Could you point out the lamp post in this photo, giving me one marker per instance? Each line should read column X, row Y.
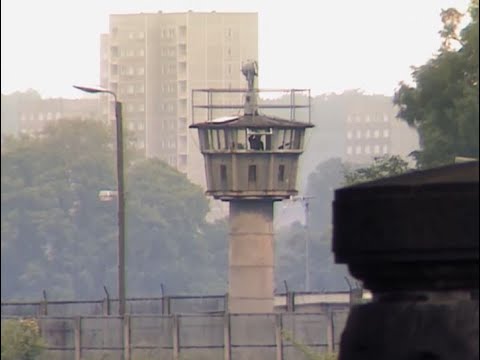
column 121, row 193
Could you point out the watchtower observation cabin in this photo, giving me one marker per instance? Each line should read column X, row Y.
column 251, row 161
column 251, row 156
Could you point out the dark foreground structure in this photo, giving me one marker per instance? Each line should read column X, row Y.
column 413, row 241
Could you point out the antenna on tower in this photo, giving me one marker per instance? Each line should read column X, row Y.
column 250, row 70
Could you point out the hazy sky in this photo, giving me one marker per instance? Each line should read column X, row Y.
column 327, row 46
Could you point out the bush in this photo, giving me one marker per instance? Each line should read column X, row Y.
column 21, row 340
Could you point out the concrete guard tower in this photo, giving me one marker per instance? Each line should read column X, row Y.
column 251, row 161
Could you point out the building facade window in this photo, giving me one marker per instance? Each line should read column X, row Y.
column 386, row 133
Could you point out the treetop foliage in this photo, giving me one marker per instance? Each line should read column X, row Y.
column 444, row 103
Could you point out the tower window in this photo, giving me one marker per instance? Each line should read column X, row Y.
column 281, row 173
column 252, row 173
column 223, row 173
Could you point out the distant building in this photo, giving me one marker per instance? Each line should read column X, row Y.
column 34, row 115
column 27, row 112
column 373, row 130
column 152, row 61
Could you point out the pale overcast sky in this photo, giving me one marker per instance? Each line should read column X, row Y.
column 327, row 46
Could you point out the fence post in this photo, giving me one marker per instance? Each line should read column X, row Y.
column 106, row 302
column 126, row 337
column 330, row 332
column 279, row 336
column 227, row 340
column 77, row 331
column 290, row 301
column 106, row 306
column 176, row 337
column 225, row 303
column 166, row 305
column 44, row 305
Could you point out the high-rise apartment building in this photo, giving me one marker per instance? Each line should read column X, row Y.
column 373, row 130
column 153, row 61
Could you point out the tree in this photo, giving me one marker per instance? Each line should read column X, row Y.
column 57, row 235
column 444, row 104
column 324, row 273
column 169, row 241
column 21, row 340
column 382, row 167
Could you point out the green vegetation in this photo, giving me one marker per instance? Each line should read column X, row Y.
column 57, row 234
column 21, row 340
column 382, row 167
column 444, row 103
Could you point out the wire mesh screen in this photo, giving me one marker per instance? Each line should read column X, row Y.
column 253, row 336
column 190, row 305
column 253, row 353
column 58, row 332
column 145, row 306
column 58, row 354
column 303, row 331
column 153, row 354
column 195, row 336
column 100, row 333
column 109, row 354
column 153, row 333
column 74, row 308
column 18, row 309
column 201, row 331
column 202, row 354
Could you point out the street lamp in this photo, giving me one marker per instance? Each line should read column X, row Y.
column 121, row 193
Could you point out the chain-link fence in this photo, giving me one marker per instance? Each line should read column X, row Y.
column 196, row 336
column 166, row 305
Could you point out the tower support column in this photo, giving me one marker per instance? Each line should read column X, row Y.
column 251, row 257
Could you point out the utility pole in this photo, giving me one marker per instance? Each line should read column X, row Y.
column 306, row 203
